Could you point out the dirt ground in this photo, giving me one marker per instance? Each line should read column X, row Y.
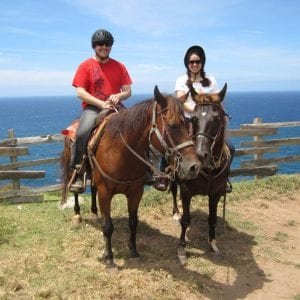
column 262, row 265
column 259, row 242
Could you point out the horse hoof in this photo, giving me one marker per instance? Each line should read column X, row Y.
column 94, row 219
column 214, row 248
column 182, row 256
column 177, row 217
column 76, row 220
column 111, row 267
column 134, row 255
column 135, row 259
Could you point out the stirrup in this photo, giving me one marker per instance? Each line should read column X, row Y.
column 79, row 184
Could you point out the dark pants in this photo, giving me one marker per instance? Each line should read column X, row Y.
column 87, row 123
column 231, row 149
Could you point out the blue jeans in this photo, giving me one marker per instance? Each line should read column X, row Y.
column 87, row 123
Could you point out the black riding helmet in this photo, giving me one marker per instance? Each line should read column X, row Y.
column 102, row 36
column 196, row 50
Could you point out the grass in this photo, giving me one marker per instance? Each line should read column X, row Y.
column 43, row 257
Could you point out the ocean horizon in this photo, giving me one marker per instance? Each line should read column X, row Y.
column 37, row 116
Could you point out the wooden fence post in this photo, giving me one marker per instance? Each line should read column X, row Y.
column 14, row 159
column 257, row 138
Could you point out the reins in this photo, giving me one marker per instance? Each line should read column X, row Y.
column 169, row 151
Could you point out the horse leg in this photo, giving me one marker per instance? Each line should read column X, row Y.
column 184, row 222
column 173, row 189
column 107, row 226
column 133, row 202
column 94, row 214
column 77, row 219
column 212, row 222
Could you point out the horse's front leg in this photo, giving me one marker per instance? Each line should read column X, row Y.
column 107, row 227
column 184, row 222
column 133, row 202
column 212, row 222
column 173, row 189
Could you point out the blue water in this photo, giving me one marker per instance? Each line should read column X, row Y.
column 37, row 116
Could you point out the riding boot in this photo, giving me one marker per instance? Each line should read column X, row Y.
column 228, row 186
column 78, row 185
column 161, row 184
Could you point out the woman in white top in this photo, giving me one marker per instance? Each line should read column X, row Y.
column 194, row 61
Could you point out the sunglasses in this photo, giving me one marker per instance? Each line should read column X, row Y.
column 106, row 44
column 197, row 62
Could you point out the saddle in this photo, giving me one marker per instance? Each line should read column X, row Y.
column 96, row 133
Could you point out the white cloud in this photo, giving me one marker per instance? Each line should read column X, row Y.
column 154, row 17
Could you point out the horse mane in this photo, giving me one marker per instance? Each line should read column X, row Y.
column 138, row 116
column 130, row 120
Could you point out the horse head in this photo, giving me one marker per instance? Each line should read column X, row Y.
column 171, row 136
column 209, row 122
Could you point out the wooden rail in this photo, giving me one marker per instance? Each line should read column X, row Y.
column 258, row 165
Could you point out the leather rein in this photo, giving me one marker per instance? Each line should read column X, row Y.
column 169, row 151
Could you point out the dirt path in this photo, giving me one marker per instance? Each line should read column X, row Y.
column 261, row 259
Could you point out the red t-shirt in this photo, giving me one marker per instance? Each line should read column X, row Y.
column 101, row 79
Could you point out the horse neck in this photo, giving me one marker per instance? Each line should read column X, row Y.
column 139, row 125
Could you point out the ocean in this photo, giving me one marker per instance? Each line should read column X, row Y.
column 35, row 116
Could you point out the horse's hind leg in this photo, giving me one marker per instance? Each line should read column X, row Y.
column 94, row 214
column 212, row 222
column 77, row 219
column 184, row 222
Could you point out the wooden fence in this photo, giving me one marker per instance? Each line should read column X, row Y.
column 254, row 150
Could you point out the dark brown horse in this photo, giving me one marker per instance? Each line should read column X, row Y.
column 209, row 123
column 118, row 163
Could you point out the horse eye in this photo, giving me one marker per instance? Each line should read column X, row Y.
column 173, row 126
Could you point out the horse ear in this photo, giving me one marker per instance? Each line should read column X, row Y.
column 223, row 92
column 159, row 97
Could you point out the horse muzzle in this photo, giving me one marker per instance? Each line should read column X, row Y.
column 188, row 168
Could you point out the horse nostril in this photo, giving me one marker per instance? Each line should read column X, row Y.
column 195, row 168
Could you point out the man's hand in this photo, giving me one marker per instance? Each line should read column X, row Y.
column 108, row 105
column 115, row 99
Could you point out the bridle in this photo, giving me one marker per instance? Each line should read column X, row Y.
column 224, row 154
column 174, row 150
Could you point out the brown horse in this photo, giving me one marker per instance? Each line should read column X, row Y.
column 119, row 161
column 209, row 123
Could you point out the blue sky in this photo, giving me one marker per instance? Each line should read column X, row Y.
column 252, row 45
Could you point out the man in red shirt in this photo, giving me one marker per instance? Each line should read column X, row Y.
column 101, row 83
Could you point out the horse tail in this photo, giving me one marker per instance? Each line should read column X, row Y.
column 64, row 164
